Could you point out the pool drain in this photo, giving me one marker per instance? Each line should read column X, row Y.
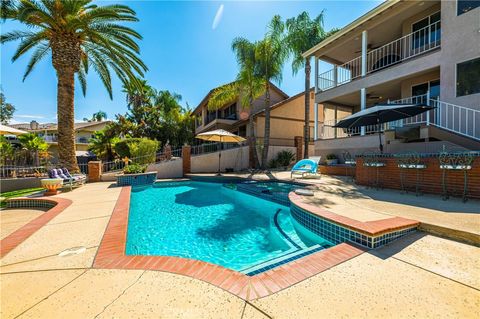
column 73, row 251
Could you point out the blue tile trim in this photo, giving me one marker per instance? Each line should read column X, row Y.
column 338, row 234
column 134, row 179
column 285, row 261
column 275, row 220
column 22, row 203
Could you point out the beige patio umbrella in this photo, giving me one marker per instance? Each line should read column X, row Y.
column 221, row 136
column 7, row 130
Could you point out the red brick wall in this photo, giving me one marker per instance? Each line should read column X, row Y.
column 430, row 178
column 339, row 170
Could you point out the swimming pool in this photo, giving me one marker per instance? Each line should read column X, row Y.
column 216, row 224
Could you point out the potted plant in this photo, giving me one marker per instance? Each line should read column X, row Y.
column 332, row 159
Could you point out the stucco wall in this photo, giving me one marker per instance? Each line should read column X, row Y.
column 13, row 184
column 287, row 120
column 167, row 169
column 460, row 42
column 236, row 158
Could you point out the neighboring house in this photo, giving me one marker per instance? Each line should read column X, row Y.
column 48, row 131
column 403, row 51
column 287, row 117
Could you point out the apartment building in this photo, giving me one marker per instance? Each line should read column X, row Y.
column 287, row 117
column 401, row 52
column 48, row 131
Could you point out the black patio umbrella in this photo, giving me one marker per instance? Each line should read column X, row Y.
column 382, row 113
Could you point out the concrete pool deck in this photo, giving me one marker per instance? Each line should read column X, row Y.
column 419, row 275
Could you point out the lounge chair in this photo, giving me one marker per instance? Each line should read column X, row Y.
column 305, row 167
column 74, row 180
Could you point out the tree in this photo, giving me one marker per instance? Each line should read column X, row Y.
column 32, row 142
column 304, row 33
column 79, row 35
column 270, row 55
column 247, row 87
column 96, row 117
column 102, row 144
column 6, row 109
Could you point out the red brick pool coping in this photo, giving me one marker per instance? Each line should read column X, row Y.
column 17, row 237
column 370, row 228
column 111, row 255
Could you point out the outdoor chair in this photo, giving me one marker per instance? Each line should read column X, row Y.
column 373, row 164
column 408, row 162
column 458, row 161
column 72, row 181
column 305, row 167
column 350, row 164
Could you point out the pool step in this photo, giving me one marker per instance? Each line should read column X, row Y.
column 288, row 257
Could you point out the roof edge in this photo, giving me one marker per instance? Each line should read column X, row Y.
column 352, row 25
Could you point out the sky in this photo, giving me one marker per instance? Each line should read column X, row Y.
column 186, row 46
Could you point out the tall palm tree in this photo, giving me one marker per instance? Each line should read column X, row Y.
column 270, row 55
column 79, row 35
column 247, row 87
column 304, row 33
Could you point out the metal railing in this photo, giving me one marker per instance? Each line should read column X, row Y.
column 213, row 147
column 455, row 118
column 396, row 51
column 119, row 164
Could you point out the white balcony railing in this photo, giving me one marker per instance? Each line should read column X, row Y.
column 454, row 118
column 404, row 48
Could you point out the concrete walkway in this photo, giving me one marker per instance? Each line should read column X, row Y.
column 421, row 275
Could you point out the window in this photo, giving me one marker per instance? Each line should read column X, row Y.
column 422, row 89
column 468, row 77
column 230, row 112
column 426, row 31
column 466, row 5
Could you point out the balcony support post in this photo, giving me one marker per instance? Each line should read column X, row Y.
column 315, row 106
column 363, row 105
column 335, row 75
column 364, row 52
column 428, row 103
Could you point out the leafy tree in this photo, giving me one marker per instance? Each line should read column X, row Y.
column 32, row 142
column 247, row 87
column 6, row 109
column 154, row 114
column 6, row 149
column 270, row 55
column 103, row 145
column 79, row 35
column 96, row 117
column 304, row 33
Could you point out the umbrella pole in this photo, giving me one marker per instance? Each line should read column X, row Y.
column 219, row 157
column 380, row 139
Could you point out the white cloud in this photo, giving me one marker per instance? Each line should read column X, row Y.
column 218, row 17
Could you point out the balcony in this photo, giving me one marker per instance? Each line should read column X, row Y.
column 392, row 53
column 54, row 139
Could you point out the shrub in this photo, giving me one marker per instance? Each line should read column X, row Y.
column 285, row 157
column 273, row 163
column 134, row 169
column 144, row 152
column 122, row 147
column 331, row 157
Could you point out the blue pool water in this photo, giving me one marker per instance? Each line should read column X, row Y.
column 213, row 223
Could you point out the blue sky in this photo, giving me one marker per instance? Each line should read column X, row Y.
column 186, row 52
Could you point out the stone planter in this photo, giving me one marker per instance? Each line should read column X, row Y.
column 136, row 179
column 332, row 162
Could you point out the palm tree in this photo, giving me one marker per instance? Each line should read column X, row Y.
column 304, row 33
column 247, row 87
column 79, row 35
column 270, row 55
column 102, row 145
column 99, row 116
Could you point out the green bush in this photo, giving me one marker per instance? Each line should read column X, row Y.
column 134, row 169
column 122, row 148
column 144, row 152
column 331, row 157
column 285, row 157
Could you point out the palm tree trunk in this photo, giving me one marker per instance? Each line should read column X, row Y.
column 65, row 111
column 266, row 137
column 306, row 135
column 251, row 139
